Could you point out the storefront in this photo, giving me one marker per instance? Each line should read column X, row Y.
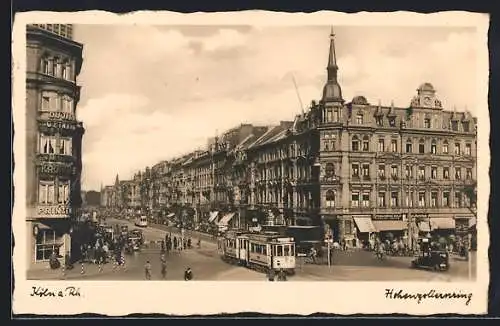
column 391, row 229
column 365, row 230
column 47, row 237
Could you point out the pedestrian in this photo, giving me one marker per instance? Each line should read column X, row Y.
column 282, row 275
column 162, row 246
column 271, row 275
column 163, row 267
column 147, row 270
column 175, row 243
column 188, row 274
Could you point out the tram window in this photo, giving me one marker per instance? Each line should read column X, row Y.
column 279, row 250
column 292, row 253
column 286, row 250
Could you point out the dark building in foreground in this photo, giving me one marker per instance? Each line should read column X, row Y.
column 53, row 140
column 357, row 169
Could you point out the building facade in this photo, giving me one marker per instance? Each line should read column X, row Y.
column 401, row 171
column 53, row 140
column 357, row 169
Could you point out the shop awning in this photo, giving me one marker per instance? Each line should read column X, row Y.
column 213, row 216
column 365, row 224
column 390, row 225
column 424, row 226
column 225, row 220
column 171, row 215
column 443, row 223
column 472, row 222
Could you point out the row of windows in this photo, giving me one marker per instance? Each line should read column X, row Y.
column 65, row 30
column 55, row 145
column 427, row 123
column 52, row 101
column 292, row 151
column 424, row 199
column 56, row 67
column 51, row 193
column 358, row 170
column 364, row 145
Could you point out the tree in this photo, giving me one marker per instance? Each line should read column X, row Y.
column 93, row 198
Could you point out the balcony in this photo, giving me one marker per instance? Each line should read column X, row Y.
column 56, row 168
column 43, row 157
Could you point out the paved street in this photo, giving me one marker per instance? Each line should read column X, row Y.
column 207, row 265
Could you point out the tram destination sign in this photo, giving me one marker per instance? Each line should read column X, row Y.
column 61, row 211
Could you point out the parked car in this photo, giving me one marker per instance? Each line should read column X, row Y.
column 431, row 258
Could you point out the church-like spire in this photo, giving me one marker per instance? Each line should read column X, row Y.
column 332, row 67
column 332, row 90
column 117, row 180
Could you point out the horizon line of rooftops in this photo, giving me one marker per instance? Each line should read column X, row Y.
column 284, row 124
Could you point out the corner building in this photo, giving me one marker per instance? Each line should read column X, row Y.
column 393, row 170
column 53, row 140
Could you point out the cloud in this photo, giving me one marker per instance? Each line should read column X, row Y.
column 150, row 93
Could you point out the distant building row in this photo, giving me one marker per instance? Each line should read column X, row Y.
column 354, row 168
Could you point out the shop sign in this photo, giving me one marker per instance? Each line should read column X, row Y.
column 54, row 211
column 61, row 116
column 58, row 125
column 422, row 216
column 387, row 216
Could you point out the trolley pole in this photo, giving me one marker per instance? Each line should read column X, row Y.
column 329, row 259
column 469, row 258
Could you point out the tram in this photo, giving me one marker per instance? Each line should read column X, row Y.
column 261, row 252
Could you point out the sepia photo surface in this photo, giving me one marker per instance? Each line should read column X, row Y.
column 166, row 162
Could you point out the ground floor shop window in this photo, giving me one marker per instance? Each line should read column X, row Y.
column 47, row 241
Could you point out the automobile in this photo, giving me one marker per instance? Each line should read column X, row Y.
column 124, row 230
column 136, row 234
column 431, row 258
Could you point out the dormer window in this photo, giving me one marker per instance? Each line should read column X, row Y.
column 359, row 119
column 454, row 125
column 466, row 126
column 379, row 121
column 392, row 121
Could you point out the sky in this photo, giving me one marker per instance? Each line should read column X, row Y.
column 152, row 93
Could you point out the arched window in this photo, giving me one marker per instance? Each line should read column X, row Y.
column 434, row 146
column 366, row 143
column 326, row 143
column 421, row 146
column 355, row 143
column 330, row 198
column 409, row 146
column 329, row 170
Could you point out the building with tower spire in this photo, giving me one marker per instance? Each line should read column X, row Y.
column 358, row 170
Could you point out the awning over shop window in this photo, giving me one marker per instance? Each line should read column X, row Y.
column 170, row 215
column 213, row 216
column 443, row 223
column 390, row 225
column 424, row 226
column 365, row 224
column 225, row 220
column 472, row 222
